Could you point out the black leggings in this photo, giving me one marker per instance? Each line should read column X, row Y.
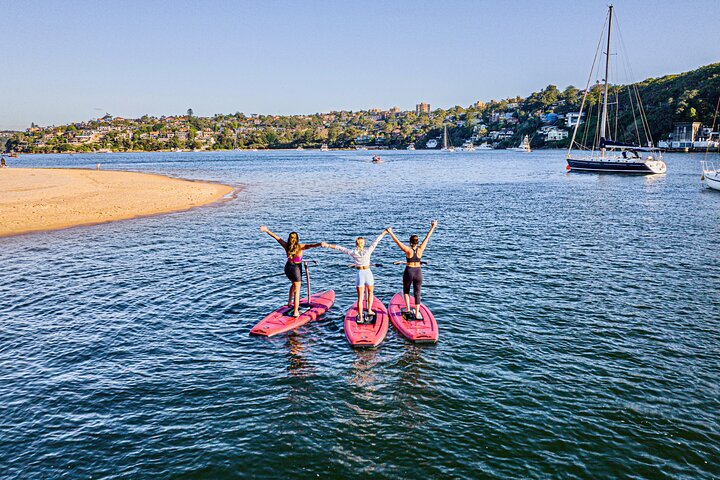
column 293, row 271
column 412, row 275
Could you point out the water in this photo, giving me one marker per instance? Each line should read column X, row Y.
column 578, row 326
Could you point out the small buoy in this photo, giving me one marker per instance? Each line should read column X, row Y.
column 567, row 167
column 702, row 177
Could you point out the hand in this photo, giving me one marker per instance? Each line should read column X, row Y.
column 264, row 229
column 324, row 245
column 434, row 223
column 389, row 230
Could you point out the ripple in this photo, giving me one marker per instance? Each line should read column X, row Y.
column 578, row 327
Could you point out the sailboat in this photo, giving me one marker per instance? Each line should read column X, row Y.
column 606, row 154
column 711, row 171
column 447, row 146
column 523, row 147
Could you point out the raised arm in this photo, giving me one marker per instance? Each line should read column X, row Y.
column 397, row 241
column 277, row 238
column 375, row 242
column 424, row 243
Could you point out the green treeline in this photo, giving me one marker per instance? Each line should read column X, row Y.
column 685, row 97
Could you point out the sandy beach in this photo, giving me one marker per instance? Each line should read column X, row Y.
column 35, row 199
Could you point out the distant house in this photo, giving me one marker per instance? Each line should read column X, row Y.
column 552, row 133
column 574, row 118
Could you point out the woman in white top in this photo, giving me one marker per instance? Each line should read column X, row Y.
column 364, row 280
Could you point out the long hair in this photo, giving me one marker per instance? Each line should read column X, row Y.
column 293, row 244
column 414, row 240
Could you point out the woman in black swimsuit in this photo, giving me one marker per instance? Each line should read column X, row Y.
column 293, row 267
column 413, row 272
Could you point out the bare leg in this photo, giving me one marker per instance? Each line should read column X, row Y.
column 291, row 295
column 361, row 295
column 407, row 301
column 296, row 286
column 370, row 289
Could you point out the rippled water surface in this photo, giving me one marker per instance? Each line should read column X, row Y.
column 578, row 322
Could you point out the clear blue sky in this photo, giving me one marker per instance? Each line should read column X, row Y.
column 63, row 61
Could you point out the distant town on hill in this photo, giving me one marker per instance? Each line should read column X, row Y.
column 679, row 109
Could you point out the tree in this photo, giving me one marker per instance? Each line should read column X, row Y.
column 190, row 112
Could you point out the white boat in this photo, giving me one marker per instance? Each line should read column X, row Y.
column 523, row 147
column 710, row 175
column 360, row 148
column 484, row 146
column 411, row 147
column 607, row 154
column 324, row 148
column 432, row 143
column 468, row 146
column 300, row 148
column 447, row 145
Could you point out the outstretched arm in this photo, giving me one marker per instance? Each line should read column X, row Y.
column 336, row 247
column 424, row 243
column 306, row 246
column 277, row 238
column 397, row 241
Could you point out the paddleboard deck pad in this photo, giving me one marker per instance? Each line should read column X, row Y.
column 281, row 320
column 372, row 331
column 418, row 330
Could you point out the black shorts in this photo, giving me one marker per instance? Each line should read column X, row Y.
column 293, row 271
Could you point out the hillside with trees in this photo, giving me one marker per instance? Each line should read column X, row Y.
column 686, row 97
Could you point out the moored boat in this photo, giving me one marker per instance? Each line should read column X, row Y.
column 523, row 147
column 447, row 145
column 614, row 155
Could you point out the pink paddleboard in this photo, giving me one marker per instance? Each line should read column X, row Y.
column 279, row 321
column 367, row 335
column 418, row 331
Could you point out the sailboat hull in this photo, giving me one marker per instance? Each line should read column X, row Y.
column 640, row 167
column 712, row 180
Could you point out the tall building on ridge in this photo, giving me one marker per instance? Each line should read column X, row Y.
column 422, row 108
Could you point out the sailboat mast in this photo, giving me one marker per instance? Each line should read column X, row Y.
column 607, row 72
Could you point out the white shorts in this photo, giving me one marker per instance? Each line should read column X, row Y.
column 364, row 278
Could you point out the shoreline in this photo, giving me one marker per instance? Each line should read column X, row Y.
column 47, row 199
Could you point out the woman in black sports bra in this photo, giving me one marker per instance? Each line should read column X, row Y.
column 413, row 272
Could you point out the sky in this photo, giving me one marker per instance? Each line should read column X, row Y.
column 65, row 61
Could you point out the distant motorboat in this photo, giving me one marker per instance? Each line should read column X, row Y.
column 484, row 146
column 432, row 143
column 411, row 147
column 324, row 148
column 376, row 159
column 447, row 145
column 468, row 146
column 300, row 148
column 523, row 147
column 360, row 148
